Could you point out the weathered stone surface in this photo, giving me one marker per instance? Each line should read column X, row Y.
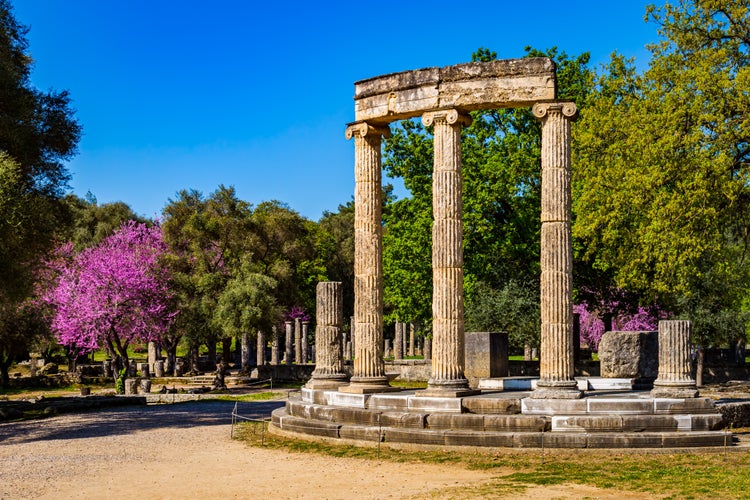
column 492, row 406
column 629, row 355
column 329, row 369
column 486, row 356
column 447, row 253
column 675, row 368
column 468, row 87
column 556, row 368
column 464, row 421
column 368, row 256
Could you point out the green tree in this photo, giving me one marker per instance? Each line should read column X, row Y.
column 661, row 191
column 207, row 239
column 283, row 246
column 91, row 222
column 247, row 303
column 335, row 244
column 38, row 132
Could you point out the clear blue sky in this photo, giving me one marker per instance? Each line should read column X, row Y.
column 193, row 94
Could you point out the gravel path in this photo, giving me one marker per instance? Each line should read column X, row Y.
column 185, row 451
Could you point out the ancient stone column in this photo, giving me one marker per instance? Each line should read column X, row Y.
column 305, row 341
column 329, row 309
column 387, row 349
column 447, row 256
column 274, row 345
column 411, row 339
column 557, row 371
column 298, row 340
column 153, row 355
column 260, row 348
column 398, row 342
column 245, row 351
column 369, row 370
column 675, row 379
column 427, row 349
column 289, row 343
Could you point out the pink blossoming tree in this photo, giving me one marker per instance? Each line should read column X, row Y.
column 113, row 293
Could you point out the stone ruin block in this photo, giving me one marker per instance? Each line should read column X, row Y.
column 486, row 356
column 629, row 355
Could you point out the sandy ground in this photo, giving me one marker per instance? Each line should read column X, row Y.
column 185, row 451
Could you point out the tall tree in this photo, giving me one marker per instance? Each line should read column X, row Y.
column 661, row 191
column 207, row 238
column 38, row 132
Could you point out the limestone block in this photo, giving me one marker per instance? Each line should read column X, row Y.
column 629, row 355
column 486, row 356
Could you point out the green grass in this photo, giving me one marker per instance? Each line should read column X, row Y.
column 258, row 396
column 409, row 384
column 667, row 475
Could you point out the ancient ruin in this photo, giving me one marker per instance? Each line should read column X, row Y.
column 552, row 411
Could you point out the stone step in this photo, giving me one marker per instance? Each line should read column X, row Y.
column 506, row 423
column 509, row 439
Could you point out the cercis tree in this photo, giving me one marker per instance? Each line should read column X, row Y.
column 113, row 293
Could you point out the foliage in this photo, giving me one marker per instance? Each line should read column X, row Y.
column 592, row 321
column 113, row 293
column 37, row 133
column 661, row 191
column 90, row 222
column 206, row 239
column 247, row 303
column 335, row 246
column 513, row 309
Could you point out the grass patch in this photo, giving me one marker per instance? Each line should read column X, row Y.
column 258, row 396
column 409, row 384
column 668, row 475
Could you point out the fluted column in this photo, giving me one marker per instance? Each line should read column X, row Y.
column 398, row 342
column 557, row 370
column 298, row 341
column 447, row 255
column 289, row 344
column 675, row 379
column 274, row 345
column 369, row 369
column 329, row 309
column 260, row 354
column 305, row 341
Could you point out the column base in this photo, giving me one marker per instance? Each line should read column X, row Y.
column 368, row 385
column 327, row 383
column 567, row 389
column 678, row 390
column 447, row 389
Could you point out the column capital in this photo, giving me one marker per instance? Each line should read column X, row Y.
column 363, row 129
column 451, row 117
column 567, row 108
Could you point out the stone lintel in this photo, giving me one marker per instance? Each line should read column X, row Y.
column 466, row 87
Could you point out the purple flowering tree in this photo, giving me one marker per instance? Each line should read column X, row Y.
column 592, row 322
column 112, row 294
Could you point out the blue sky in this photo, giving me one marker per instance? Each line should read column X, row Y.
column 192, row 94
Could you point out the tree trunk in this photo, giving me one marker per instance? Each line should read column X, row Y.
column 194, row 359
column 211, row 344
column 226, row 350
column 4, row 367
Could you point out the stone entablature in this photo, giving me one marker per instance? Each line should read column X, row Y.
column 466, row 87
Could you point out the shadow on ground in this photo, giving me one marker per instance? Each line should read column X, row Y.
column 126, row 420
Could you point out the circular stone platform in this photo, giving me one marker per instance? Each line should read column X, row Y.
column 611, row 419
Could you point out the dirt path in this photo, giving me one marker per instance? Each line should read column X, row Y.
column 185, row 451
